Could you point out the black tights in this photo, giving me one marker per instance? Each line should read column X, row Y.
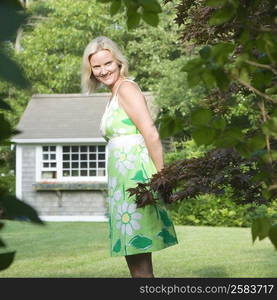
column 140, row 265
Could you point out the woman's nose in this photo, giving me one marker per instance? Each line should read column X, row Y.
column 103, row 70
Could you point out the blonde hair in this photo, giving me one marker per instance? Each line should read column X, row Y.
column 88, row 82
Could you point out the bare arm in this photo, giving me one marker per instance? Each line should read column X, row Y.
column 134, row 104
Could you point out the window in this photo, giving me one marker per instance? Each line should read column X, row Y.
column 83, row 161
column 63, row 162
column 49, row 162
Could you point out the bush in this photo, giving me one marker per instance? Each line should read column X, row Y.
column 211, row 210
column 185, row 149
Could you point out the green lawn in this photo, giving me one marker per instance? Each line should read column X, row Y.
column 80, row 249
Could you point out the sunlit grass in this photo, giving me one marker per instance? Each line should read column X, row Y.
column 80, row 249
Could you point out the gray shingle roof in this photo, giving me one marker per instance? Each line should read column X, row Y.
column 64, row 116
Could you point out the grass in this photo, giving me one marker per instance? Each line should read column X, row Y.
column 80, row 249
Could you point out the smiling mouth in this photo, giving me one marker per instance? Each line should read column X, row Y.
column 106, row 76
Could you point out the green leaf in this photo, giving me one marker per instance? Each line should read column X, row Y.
column 221, row 52
column 141, row 242
column 10, row 71
column 256, row 143
column 272, row 234
column 222, row 79
column 260, row 228
column 115, row 7
column 150, row 5
column 11, row 16
column 201, row 116
column 270, row 127
column 117, row 246
column 208, row 78
column 205, row 52
column 235, row 133
column 219, row 123
column 222, row 15
column 151, row 18
column 242, row 148
column 5, row 126
column 6, row 260
column 2, row 244
column 133, row 20
column 15, row 208
column 203, row 135
column 164, row 217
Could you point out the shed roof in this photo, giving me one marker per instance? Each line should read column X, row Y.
column 64, row 116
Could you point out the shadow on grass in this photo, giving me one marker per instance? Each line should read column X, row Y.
column 209, row 272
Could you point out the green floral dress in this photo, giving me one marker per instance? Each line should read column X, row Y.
column 132, row 230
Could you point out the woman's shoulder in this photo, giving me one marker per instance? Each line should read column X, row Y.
column 128, row 86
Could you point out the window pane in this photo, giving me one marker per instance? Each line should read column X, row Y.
column 66, row 173
column 101, row 156
column 49, row 174
column 84, row 157
column 45, row 148
column 101, row 148
column 92, row 164
column 84, row 148
column 92, row 148
column 45, row 165
column 66, row 148
column 74, row 156
column 101, row 172
column 84, row 164
column 45, row 157
column 53, row 156
column 65, row 156
column 92, row 156
column 75, row 148
column 75, row 165
column 84, row 173
column 75, row 173
column 66, row 165
column 92, row 172
column 52, row 148
column 101, row 164
column 53, row 165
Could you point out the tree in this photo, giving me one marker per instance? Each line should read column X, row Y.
column 12, row 14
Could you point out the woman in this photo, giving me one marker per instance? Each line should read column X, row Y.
column 135, row 154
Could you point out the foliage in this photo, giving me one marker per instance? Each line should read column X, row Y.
column 208, row 174
column 147, row 10
column 185, row 150
column 211, row 210
column 238, row 56
column 11, row 16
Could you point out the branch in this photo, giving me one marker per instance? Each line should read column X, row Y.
column 263, row 66
column 250, row 87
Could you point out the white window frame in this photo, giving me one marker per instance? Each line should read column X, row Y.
column 59, row 161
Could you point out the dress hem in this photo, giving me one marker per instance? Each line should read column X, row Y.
column 145, row 251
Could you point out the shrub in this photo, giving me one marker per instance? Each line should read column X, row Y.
column 211, row 210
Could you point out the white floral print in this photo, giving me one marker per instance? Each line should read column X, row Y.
column 142, row 150
column 114, row 195
column 124, row 161
column 127, row 218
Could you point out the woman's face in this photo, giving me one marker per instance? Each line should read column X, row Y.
column 104, row 67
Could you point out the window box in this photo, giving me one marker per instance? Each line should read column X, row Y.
column 65, row 186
